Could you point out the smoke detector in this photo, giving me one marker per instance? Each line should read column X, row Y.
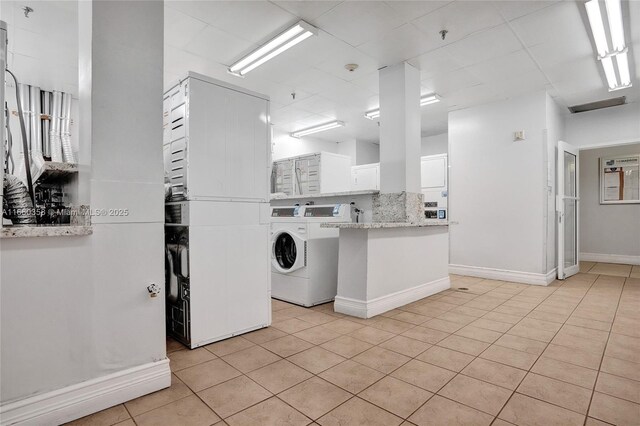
column 351, row 67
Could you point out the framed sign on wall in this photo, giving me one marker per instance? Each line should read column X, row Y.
column 620, row 179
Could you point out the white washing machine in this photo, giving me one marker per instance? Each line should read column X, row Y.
column 304, row 256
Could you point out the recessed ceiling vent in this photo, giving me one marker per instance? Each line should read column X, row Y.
column 598, row 104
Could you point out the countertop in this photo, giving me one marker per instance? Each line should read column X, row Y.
column 45, row 231
column 383, row 225
column 324, row 195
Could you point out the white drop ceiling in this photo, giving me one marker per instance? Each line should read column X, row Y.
column 493, row 50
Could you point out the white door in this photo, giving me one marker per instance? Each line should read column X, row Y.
column 567, row 206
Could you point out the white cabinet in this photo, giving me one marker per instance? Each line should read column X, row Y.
column 317, row 173
column 365, row 177
column 434, row 182
column 219, row 141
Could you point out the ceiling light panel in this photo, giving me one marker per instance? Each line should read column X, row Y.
column 316, row 129
column 431, row 98
column 614, row 13
column 286, row 40
column 597, row 26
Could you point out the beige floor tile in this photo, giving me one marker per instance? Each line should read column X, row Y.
column 277, row 305
column 500, row 422
column 372, row 335
column 392, row 325
column 585, row 266
column 264, row 335
column 442, row 325
column 524, row 410
column 584, row 333
column 381, row 359
column 509, row 356
column 472, row 312
column 173, row 345
column 495, row 373
column 614, row 410
column 531, row 333
column 187, row 358
column 482, row 334
column 441, row 411
column 405, row 346
column 573, row 356
column 505, row 318
column 317, row 335
column 208, row 374
column 233, row 396
column 287, row 346
column 177, row 390
column 423, row 375
column 623, row 347
column 316, row 359
column 477, row 394
column 279, row 376
column 107, row 417
column 619, row 387
column 554, row 391
column 566, row 372
column 488, row 324
column 620, row 367
column 395, row 396
column 189, row 411
column 626, row 326
column 351, row 376
column 359, row 412
column 273, row 411
column 251, row 358
column 411, row 318
column 510, row 310
column 342, row 326
column 317, row 318
column 346, row 346
column 229, row 346
column 292, row 325
column 314, row 397
column 445, row 358
column 457, row 318
column 589, row 323
column 574, row 342
column 426, row 335
column 128, row 422
column 595, row 422
column 523, row 344
column 464, row 344
column 611, row 269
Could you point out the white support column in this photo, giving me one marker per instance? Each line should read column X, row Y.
column 400, row 199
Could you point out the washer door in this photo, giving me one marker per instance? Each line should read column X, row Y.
column 288, row 252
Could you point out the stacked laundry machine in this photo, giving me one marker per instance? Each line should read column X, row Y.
column 217, row 148
column 304, row 254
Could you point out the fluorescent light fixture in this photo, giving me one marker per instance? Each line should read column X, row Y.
column 597, row 27
column 609, row 72
column 618, row 50
column 614, row 13
column 289, row 38
column 431, row 98
column 316, row 129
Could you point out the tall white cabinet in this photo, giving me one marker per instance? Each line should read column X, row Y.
column 217, row 162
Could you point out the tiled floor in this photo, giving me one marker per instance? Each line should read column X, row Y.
column 614, row 269
column 496, row 353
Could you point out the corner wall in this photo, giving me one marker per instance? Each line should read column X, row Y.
column 603, row 127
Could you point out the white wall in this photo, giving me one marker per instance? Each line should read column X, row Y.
column 349, row 148
column 612, row 229
column 285, row 146
column 367, row 153
column 498, row 186
column 555, row 132
column 609, row 126
column 77, row 308
column 436, row 144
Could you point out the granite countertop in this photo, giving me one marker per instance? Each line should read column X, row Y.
column 383, row 225
column 324, row 195
column 44, row 231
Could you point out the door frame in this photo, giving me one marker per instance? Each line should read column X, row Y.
column 563, row 272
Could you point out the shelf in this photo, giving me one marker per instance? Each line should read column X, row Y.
column 56, row 171
column 26, row 231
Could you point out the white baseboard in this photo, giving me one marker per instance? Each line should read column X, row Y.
column 610, row 258
column 72, row 402
column 504, row 275
column 379, row 305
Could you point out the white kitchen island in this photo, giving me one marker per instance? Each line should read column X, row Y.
column 383, row 266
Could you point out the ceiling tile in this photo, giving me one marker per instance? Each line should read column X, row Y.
column 313, row 81
column 345, row 54
column 562, row 51
column 515, row 9
column 307, row 10
column 369, row 81
column 179, row 28
column 435, row 62
column 503, row 67
column 410, row 10
column 460, row 19
column 210, row 42
column 398, row 45
column 315, row 104
column 452, row 81
column 481, row 46
column 357, row 22
column 288, row 114
column 557, row 23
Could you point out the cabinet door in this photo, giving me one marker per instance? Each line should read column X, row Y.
column 366, row 178
column 434, row 171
